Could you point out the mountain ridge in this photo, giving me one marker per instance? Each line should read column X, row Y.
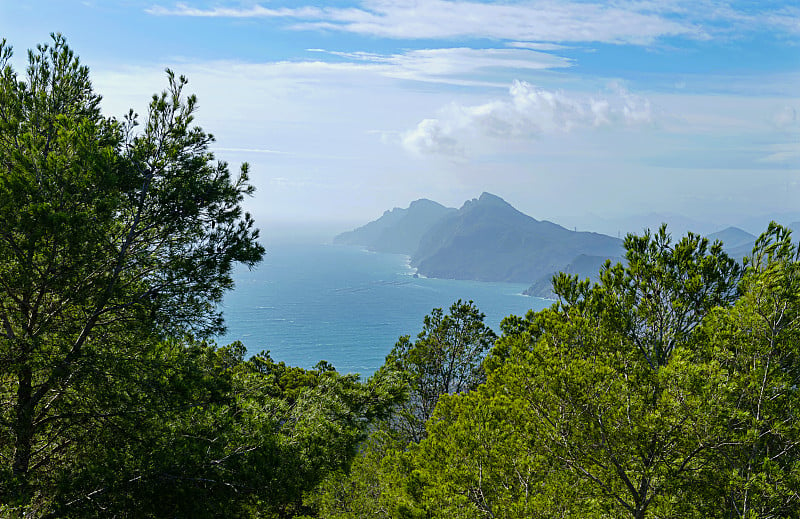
column 398, row 230
column 490, row 240
column 487, row 239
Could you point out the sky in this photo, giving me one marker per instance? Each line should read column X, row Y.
column 580, row 112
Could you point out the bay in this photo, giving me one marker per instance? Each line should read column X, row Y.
column 345, row 305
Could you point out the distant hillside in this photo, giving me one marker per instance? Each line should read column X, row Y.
column 399, row 230
column 735, row 241
column 584, row 266
column 732, row 237
column 489, row 240
column 739, row 244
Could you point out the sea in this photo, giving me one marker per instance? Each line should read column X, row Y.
column 307, row 302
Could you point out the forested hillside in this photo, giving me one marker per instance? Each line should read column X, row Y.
column 667, row 388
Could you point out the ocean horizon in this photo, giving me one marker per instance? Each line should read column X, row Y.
column 307, row 302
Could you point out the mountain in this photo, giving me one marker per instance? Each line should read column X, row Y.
column 739, row 244
column 399, row 230
column 732, row 237
column 736, row 242
column 489, row 240
column 677, row 225
column 583, row 265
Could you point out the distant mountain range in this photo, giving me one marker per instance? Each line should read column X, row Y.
column 584, row 266
column 485, row 240
column 489, row 240
column 678, row 224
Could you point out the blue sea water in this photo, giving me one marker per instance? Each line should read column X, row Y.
column 348, row 306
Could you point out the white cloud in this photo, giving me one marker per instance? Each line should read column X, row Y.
column 638, row 22
column 532, row 142
column 432, row 136
column 528, row 112
column 787, row 19
column 719, row 18
column 454, row 65
column 787, row 154
column 537, row 21
column 785, row 117
column 449, row 66
column 536, row 45
column 256, row 11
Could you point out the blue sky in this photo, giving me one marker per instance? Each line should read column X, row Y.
column 581, row 112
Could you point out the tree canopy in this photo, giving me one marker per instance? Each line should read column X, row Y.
column 666, row 389
column 117, row 242
column 446, row 358
column 110, row 238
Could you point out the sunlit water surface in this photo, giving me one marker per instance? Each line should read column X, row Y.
column 346, row 305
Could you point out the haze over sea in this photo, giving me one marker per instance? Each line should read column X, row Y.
column 345, row 305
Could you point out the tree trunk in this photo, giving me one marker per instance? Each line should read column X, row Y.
column 23, row 428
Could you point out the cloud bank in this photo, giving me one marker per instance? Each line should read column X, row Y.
column 527, row 112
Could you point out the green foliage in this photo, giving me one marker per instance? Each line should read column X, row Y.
column 668, row 289
column 367, row 489
column 472, row 467
column 446, row 359
column 109, row 239
column 117, row 242
column 600, row 406
column 212, row 435
column 756, row 343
